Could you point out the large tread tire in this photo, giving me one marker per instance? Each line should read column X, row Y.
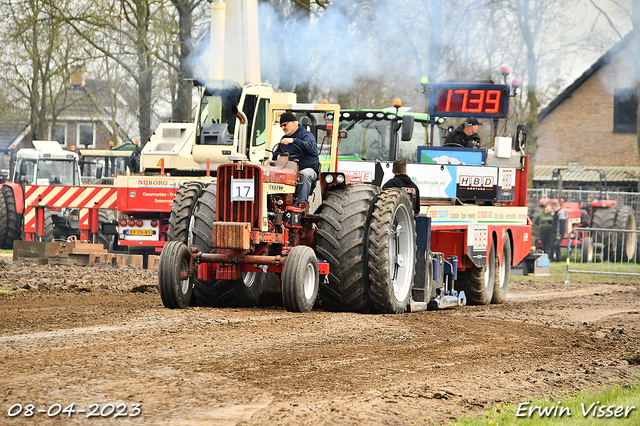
column 624, row 243
column 104, row 216
column 605, row 218
column 392, row 251
column 3, row 220
column 48, row 226
column 14, row 220
column 587, row 250
column 503, row 274
column 174, row 291
column 244, row 292
column 478, row 284
column 342, row 242
column 300, row 279
column 182, row 209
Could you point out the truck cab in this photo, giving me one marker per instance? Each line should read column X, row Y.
column 46, row 164
column 189, row 149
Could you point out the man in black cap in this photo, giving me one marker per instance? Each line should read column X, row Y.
column 403, row 181
column 300, row 144
column 465, row 135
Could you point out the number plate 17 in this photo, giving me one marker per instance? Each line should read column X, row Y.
column 242, row 189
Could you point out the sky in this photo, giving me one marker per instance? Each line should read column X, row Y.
column 391, row 41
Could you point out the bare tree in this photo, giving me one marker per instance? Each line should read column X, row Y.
column 181, row 102
column 37, row 56
column 126, row 25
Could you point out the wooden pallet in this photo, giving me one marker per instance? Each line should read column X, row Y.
column 71, row 253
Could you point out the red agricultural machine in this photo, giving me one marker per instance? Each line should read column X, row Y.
column 605, row 215
column 362, row 250
column 246, row 225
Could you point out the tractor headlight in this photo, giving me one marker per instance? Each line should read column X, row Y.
column 328, row 178
column 340, row 178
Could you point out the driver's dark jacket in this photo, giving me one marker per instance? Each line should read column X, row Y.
column 404, row 182
column 458, row 137
column 303, row 139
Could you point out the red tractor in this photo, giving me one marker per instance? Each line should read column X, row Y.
column 600, row 214
column 244, row 226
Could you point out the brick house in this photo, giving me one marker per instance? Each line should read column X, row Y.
column 84, row 120
column 12, row 134
column 592, row 124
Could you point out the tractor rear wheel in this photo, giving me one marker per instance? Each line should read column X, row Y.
column 478, row 284
column 3, row 220
column 14, row 220
column 48, row 226
column 242, row 292
column 175, row 290
column 392, row 251
column 183, row 206
column 624, row 243
column 342, row 241
column 605, row 218
column 300, row 279
column 503, row 274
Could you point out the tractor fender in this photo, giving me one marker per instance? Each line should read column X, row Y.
column 18, row 193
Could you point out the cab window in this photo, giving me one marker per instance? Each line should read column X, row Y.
column 259, row 131
column 26, row 177
column 408, row 150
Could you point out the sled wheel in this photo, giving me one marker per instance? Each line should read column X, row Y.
column 478, row 283
column 174, row 290
column 300, row 280
column 503, row 274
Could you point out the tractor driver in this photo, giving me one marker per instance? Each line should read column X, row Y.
column 465, row 135
column 305, row 148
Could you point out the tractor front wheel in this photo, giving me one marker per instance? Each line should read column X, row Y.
column 300, row 280
column 588, row 250
column 175, row 290
column 14, row 219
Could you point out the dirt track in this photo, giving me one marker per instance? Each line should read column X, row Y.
column 100, row 335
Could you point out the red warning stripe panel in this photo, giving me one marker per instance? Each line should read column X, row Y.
column 70, row 197
column 30, row 219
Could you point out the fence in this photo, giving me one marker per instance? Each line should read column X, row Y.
column 586, row 196
column 603, row 251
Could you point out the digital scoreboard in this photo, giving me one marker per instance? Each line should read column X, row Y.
column 464, row 100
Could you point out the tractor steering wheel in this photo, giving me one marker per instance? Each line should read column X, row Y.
column 279, row 150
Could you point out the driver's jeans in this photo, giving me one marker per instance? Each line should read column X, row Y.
column 307, row 177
